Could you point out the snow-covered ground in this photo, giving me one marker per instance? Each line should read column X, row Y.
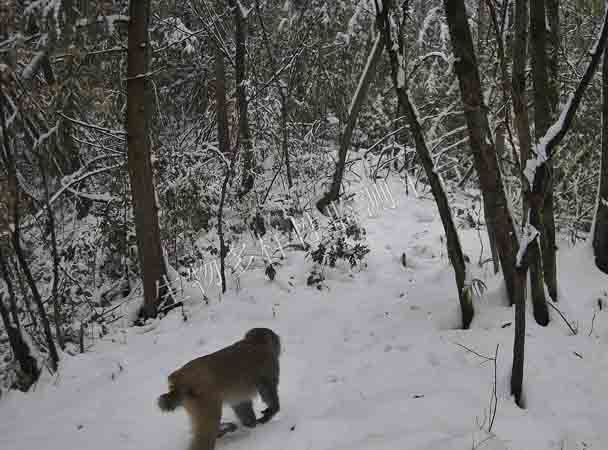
column 372, row 361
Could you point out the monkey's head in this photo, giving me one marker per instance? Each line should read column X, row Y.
column 265, row 336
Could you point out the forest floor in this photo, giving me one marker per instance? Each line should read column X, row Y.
column 373, row 360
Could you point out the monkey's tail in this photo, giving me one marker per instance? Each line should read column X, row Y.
column 170, row 401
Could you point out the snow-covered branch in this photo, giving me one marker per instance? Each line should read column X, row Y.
column 558, row 130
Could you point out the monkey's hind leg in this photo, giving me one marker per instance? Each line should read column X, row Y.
column 225, row 428
column 270, row 395
column 244, row 411
column 205, row 415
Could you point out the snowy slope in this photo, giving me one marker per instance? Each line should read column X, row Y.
column 370, row 362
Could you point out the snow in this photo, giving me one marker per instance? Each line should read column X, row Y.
column 30, row 70
column 373, row 360
column 529, row 234
column 432, row 16
column 244, row 11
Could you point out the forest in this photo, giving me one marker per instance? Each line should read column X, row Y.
column 412, row 194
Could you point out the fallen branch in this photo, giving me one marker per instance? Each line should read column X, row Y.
column 574, row 332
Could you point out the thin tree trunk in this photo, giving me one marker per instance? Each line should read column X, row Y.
column 240, row 37
column 486, row 164
column 484, row 152
column 21, row 350
column 394, row 44
column 561, row 127
column 150, row 254
column 518, row 89
column 549, row 246
column 224, row 148
column 353, row 113
column 542, row 263
column 11, row 168
column 284, row 93
column 55, row 255
column 285, row 136
column 6, row 276
column 504, row 128
column 519, row 346
column 522, row 126
column 221, row 107
column 600, row 228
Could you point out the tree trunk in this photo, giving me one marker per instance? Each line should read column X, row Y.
column 54, row 253
column 353, row 113
column 6, row 276
column 600, row 228
column 542, row 264
column 518, row 89
column 285, row 136
column 394, row 44
column 140, row 166
column 284, row 92
column 486, row 164
column 224, row 148
column 21, row 350
column 556, row 134
column 240, row 37
column 483, row 149
column 522, row 126
column 14, row 189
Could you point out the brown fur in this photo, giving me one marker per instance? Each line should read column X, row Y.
column 231, row 375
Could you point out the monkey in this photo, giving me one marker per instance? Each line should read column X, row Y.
column 232, row 375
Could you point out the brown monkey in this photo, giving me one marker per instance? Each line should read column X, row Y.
column 231, row 375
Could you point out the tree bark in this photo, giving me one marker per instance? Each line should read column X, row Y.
column 240, row 38
column 600, row 228
column 285, row 135
column 522, row 126
column 542, row 260
column 482, row 147
column 140, row 166
column 6, row 276
column 21, row 350
column 486, row 164
column 224, row 148
column 11, row 168
column 284, row 93
column 518, row 89
column 353, row 113
column 54, row 253
column 394, row 45
column 560, row 128
column 549, row 245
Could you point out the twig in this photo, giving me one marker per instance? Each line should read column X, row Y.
column 487, row 358
column 592, row 321
column 574, row 332
column 495, row 397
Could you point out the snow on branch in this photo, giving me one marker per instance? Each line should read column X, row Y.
column 114, row 133
column 68, row 181
column 244, row 11
column 530, row 233
column 558, row 130
column 32, row 68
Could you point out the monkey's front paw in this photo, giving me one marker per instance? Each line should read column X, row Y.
column 267, row 414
